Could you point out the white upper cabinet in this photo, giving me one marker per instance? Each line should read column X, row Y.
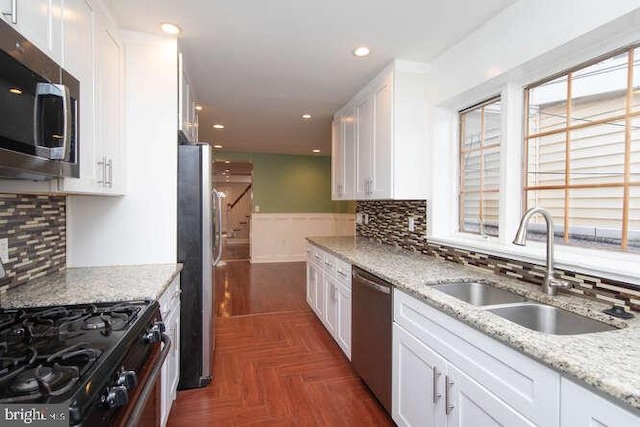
column 93, row 54
column 110, row 148
column 389, row 120
column 343, row 151
column 39, row 21
column 187, row 115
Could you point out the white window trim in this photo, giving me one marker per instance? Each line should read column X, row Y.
column 443, row 206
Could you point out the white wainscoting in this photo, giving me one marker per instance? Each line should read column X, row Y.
column 280, row 237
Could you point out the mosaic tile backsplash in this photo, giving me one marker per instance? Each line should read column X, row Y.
column 36, row 230
column 388, row 224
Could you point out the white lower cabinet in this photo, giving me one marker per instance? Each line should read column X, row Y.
column 170, row 373
column 329, row 294
column 448, row 374
column 581, row 407
column 417, row 395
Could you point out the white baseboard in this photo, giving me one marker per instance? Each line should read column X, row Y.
column 281, row 237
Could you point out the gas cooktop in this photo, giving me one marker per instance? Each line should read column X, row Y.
column 72, row 353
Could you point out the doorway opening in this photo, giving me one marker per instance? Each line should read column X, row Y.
column 234, row 179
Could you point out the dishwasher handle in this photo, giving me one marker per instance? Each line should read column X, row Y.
column 370, row 284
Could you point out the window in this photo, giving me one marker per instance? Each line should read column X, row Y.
column 582, row 152
column 480, row 168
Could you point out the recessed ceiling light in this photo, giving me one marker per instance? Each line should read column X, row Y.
column 227, row 161
column 306, row 116
column 216, row 126
column 199, row 107
column 170, row 28
column 217, row 146
column 316, row 151
column 361, row 51
column 15, row 90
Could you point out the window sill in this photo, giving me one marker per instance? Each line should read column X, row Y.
column 617, row 266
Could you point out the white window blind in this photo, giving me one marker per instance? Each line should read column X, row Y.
column 480, row 168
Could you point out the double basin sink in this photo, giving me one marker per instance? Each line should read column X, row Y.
column 525, row 312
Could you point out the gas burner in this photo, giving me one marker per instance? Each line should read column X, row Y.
column 116, row 317
column 9, row 317
column 93, row 323
column 27, row 381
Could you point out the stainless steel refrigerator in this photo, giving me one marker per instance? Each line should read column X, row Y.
column 199, row 250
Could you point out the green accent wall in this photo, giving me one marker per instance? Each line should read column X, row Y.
column 285, row 183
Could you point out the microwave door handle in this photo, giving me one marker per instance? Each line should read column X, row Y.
column 66, row 111
column 57, row 153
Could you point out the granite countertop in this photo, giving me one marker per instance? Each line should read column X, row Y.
column 89, row 285
column 608, row 361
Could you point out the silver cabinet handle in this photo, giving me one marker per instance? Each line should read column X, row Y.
column 333, row 292
column 328, row 263
column 318, row 256
column 13, row 13
column 341, row 272
column 103, row 166
column 177, row 293
column 109, row 166
column 436, row 376
column 448, row 406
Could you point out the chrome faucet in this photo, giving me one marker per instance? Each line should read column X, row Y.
column 550, row 283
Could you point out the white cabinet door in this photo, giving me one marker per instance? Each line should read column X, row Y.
column 111, row 163
column 170, row 373
column 343, row 327
column 364, row 146
column 337, row 159
column 471, row 405
column 312, row 282
column 381, row 160
column 418, row 372
column 39, row 21
column 580, row 407
column 171, row 364
column 186, row 105
column 79, row 54
column 320, row 302
column 331, row 301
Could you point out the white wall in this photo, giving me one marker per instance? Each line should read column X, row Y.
column 140, row 227
column 281, row 237
column 528, row 30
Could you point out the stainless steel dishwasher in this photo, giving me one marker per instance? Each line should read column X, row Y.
column 371, row 307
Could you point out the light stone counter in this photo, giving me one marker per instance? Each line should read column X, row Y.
column 93, row 285
column 608, row 361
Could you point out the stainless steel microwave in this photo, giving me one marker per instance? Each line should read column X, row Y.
column 39, row 104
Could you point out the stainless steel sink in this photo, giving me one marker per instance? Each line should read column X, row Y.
column 549, row 319
column 479, row 293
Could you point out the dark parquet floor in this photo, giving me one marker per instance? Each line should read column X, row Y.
column 274, row 364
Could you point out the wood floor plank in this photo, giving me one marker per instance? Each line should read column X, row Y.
column 279, row 368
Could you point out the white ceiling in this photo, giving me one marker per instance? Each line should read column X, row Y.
column 258, row 65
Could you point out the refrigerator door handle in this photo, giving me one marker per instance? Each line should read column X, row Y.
column 218, row 229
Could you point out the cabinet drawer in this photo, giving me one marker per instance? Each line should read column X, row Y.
column 170, row 299
column 343, row 272
column 524, row 384
column 315, row 255
column 329, row 263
